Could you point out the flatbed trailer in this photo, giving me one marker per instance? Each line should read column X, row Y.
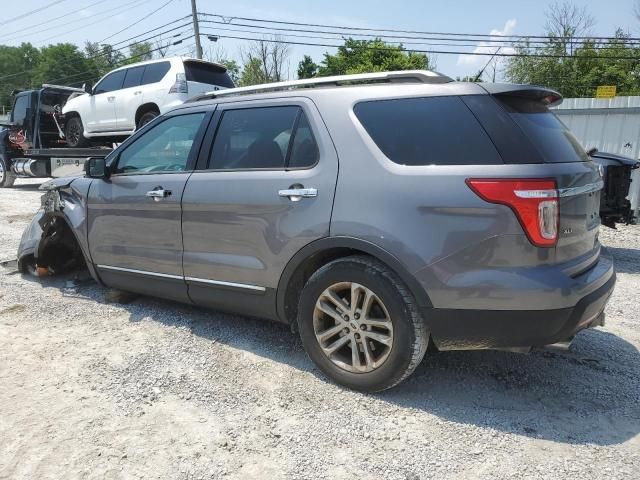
column 32, row 143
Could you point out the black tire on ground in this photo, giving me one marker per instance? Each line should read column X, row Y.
column 74, row 133
column 146, row 118
column 410, row 335
column 7, row 177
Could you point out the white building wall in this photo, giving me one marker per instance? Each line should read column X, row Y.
column 610, row 125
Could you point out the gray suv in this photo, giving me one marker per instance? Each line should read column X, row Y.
column 372, row 213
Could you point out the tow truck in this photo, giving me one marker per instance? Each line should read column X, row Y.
column 32, row 142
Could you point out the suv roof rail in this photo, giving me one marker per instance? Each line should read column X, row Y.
column 405, row 76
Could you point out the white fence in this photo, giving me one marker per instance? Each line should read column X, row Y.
column 610, row 125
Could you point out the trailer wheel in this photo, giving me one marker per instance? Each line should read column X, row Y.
column 7, row 177
column 74, row 132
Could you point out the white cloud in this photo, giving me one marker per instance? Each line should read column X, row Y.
column 478, row 61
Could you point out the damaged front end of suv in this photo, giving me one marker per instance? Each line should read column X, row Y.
column 55, row 241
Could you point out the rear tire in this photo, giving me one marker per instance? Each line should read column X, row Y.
column 7, row 177
column 146, row 118
column 74, row 133
column 383, row 322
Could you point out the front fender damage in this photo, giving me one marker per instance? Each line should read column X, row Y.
column 48, row 244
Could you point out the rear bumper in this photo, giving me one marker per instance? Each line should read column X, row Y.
column 455, row 329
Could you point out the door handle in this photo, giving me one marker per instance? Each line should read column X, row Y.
column 111, row 99
column 137, row 93
column 158, row 194
column 295, row 193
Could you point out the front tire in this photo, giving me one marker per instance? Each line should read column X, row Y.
column 7, row 177
column 74, row 133
column 360, row 324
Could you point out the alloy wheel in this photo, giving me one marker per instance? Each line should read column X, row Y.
column 353, row 327
column 2, row 172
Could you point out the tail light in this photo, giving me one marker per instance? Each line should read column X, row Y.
column 534, row 201
column 181, row 85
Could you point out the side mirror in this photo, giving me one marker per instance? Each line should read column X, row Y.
column 95, row 167
column 87, row 88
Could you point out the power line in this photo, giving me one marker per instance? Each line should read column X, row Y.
column 492, row 41
column 37, row 10
column 118, row 9
column 138, row 21
column 433, row 52
column 341, row 36
column 97, row 56
column 230, row 18
column 74, row 13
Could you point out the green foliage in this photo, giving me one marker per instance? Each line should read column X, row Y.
column 140, row 52
column 233, row 69
column 588, row 65
column 307, row 68
column 252, row 73
column 62, row 63
column 102, row 59
column 367, row 56
column 16, row 64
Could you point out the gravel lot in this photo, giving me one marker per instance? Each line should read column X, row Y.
column 151, row 389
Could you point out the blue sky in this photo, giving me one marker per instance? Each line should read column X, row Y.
column 524, row 17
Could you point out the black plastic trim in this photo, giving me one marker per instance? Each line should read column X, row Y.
column 453, row 329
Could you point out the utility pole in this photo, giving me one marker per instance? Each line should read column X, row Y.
column 196, row 29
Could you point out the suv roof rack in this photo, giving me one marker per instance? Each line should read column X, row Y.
column 405, row 76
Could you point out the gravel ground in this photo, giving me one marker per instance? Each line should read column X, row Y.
column 152, row 389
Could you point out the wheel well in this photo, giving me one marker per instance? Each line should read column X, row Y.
column 147, row 107
column 59, row 249
column 304, row 271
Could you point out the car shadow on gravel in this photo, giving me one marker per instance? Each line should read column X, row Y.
column 587, row 395
column 627, row 260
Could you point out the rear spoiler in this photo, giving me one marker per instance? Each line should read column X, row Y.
column 549, row 97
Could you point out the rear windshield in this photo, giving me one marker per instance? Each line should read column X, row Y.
column 205, row 73
column 427, row 131
column 550, row 136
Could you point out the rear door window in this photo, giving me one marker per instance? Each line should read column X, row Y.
column 133, row 77
column 427, row 131
column 253, row 138
column 154, row 72
column 111, row 82
column 207, row 73
column 551, row 137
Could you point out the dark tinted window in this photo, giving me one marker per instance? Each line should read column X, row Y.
column 550, row 136
column 19, row 113
column 427, row 131
column 133, row 77
column 253, row 138
column 154, row 72
column 207, row 73
column 111, row 82
column 163, row 148
column 304, row 150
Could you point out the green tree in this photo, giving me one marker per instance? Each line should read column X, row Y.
column 139, row 52
column 366, row 56
column 17, row 64
column 233, row 69
column 63, row 64
column 102, row 59
column 252, row 73
column 307, row 68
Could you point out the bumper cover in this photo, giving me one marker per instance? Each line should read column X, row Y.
column 454, row 329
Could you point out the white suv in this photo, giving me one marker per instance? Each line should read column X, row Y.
column 129, row 97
